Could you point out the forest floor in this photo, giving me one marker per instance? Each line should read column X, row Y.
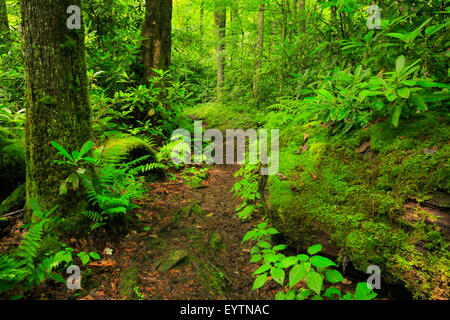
column 191, row 250
column 184, row 243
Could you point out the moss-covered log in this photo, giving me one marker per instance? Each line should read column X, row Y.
column 56, row 99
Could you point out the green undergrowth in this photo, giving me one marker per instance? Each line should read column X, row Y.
column 224, row 117
column 353, row 187
column 350, row 189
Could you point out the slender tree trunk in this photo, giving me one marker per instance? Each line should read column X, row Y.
column 302, row 15
column 220, row 19
column 260, row 48
column 202, row 15
column 283, row 40
column 4, row 27
column 57, row 107
column 157, row 32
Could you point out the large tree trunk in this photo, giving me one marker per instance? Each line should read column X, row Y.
column 57, row 107
column 4, row 27
column 220, row 20
column 157, row 31
column 260, row 48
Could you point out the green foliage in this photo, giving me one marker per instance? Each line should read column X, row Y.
column 24, row 266
column 247, row 188
column 111, row 183
column 313, row 269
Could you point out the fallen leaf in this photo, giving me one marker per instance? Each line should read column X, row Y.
column 103, row 263
column 313, row 175
column 363, row 147
column 305, row 137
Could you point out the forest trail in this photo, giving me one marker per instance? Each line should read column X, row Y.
column 187, row 245
column 193, row 249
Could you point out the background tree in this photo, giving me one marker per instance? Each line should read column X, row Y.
column 157, row 34
column 4, row 26
column 260, row 46
column 56, row 99
column 220, row 21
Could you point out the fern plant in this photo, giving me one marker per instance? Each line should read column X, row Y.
column 112, row 185
column 22, row 265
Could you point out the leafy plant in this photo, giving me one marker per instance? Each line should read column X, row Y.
column 311, row 268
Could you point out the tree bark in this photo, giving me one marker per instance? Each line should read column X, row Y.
column 260, row 48
column 157, row 32
column 283, row 40
column 4, row 27
column 57, row 107
column 220, row 20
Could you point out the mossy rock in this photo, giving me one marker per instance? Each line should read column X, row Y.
column 216, row 242
column 130, row 148
column 15, row 201
column 171, row 260
column 193, row 208
column 129, row 279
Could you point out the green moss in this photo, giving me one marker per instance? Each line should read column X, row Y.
column 15, row 201
column 357, row 196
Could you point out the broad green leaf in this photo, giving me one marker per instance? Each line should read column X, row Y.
column 264, row 244
column 62, row 150
column 256, row 258
column 94, row 255
column 259, row 281
column 297, row 273
column 84, row 257
column 314, row 281
column 288, row 262
column 272, row 231
column 271, row 258
column 262, row 226
column 321, row 262
column 280, row 247
column 400, row 36
column 404, row 92
column 263, row 268
column 334, row 276
column 278, row 275
column 249, row 235
column 303, row 294
column 330, row 292
column 363, row 292
column 326, row 94
column 396, row 115
column 86, row 148
column 314, row 249
column 303, row 257
column 400, row 63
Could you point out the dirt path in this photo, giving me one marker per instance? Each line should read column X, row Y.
column 187, row 246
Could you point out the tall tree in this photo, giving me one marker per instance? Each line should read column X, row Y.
column 57, row 107
column 220, row 20
column 157, row 32
column 260, row 47
column 283, row 41
column 4, row 26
